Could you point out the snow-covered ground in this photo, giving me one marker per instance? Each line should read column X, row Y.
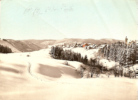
column 37, row 76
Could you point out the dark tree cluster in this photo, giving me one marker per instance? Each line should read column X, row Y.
column 120, row 52
column 5, row 49
column 58, row 53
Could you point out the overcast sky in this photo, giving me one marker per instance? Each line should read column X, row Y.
column 57, row 19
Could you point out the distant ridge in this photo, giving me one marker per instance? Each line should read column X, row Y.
column 93, row 41
column 34, row 45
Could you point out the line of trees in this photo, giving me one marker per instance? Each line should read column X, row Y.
column 5, row 49
column 59, row 53
column 119, row 52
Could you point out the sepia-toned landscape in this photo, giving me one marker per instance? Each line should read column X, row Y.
column 37, row 75
column 68, row 50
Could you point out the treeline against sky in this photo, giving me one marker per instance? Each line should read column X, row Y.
column 120, row 52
